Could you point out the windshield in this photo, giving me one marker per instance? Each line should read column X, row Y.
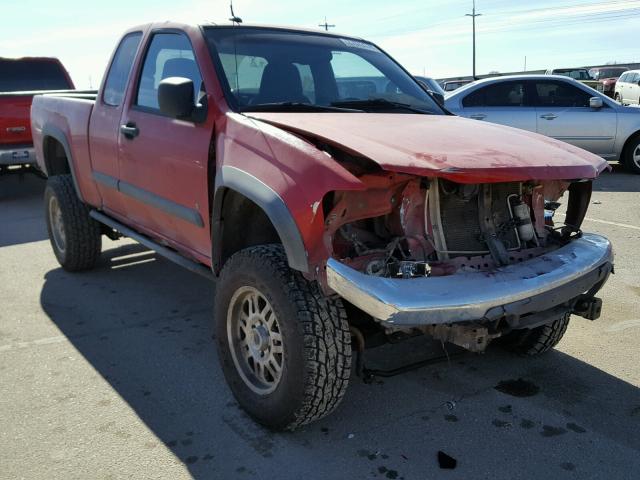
column 578, row 74
column 608, row 73
column 31, row 74
column 268, row 69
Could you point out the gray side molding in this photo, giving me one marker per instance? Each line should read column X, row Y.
column 57, row 134
column 267, row 199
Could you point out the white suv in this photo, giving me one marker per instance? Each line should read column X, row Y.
column 628, row 88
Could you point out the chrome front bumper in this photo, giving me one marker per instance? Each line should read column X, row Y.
column 534, row 285
column 17, row 156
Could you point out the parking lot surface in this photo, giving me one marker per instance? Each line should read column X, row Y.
column 113, row 374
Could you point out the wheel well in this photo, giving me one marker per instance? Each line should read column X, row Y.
column 242, row 224
column 55, row 157
column 632, row 137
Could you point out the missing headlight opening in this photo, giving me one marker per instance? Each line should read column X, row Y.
column 403, row 226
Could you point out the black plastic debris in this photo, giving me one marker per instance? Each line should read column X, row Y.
column 445, row 461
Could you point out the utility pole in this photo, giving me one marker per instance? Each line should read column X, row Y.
column 473, row 16
column 326, row 25
column 525, row 63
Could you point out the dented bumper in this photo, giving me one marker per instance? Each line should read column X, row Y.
column 531, row 286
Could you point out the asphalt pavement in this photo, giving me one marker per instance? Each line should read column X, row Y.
column 113, row 374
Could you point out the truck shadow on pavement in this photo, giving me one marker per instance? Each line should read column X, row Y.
column 21, row 207
column 145, row 326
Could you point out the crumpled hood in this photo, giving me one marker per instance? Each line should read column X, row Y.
column 459, row 149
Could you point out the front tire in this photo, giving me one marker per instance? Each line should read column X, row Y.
column 631, row 158
column 75, row 237
column 285, row 349
column 536, row 341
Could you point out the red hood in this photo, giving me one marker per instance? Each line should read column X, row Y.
column 461, row 150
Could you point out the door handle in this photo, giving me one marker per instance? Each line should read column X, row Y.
column 129, row 130
column 548, row 116
column 478, row 116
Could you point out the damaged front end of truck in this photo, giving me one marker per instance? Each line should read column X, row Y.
column 465, row 263
column 459, row 243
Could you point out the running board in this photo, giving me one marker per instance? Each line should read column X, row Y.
column 147, row 242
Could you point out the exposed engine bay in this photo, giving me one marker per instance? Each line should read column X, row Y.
column 432, row 227
column 403, row 227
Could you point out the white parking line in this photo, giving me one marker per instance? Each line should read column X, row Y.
column 606, row 222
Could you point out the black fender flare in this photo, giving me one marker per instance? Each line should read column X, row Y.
column 232, row 178
column 58, row 135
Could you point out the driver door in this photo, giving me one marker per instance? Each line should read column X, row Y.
column 163, row 161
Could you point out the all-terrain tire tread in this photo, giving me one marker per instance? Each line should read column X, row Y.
column 327, row 340
column 537, row 340
column 83, row 240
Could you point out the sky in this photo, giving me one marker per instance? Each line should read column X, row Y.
column 430, row 37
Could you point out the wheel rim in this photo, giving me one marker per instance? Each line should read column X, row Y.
column 255, row 340
column 57, row 225
column 636, row 156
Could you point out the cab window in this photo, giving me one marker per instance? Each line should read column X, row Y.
column 169, row 55
column 116, row 83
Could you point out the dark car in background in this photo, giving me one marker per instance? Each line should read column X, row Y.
column 20, row 80
column 607, row 78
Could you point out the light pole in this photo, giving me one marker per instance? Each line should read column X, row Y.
column 473, row 16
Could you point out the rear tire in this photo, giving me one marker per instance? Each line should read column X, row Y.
column 285, row 348
column 536, row 341
column 75, row 237
column 631, row 158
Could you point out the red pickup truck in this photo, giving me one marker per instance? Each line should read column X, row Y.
column 325, row 216
column 20, row 80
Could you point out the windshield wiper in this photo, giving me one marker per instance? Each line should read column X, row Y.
column 378, row 103
column 294, row 107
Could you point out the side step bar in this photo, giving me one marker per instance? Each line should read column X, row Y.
column 147, row 242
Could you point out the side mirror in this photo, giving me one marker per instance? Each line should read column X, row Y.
column 439, row 97
column 595, row 102
column 175, row 97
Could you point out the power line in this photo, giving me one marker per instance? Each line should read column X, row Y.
column 570, row 20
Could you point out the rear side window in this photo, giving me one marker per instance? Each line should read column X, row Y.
column 32, row 74
column 559, row 94
column 120, row 69
column 169, row 55
column 503, row 94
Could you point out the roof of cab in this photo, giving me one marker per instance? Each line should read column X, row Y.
column 288, row 28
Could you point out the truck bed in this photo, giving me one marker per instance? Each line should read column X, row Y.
column 66, row 116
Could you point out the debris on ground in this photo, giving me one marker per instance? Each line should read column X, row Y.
column 445, row 461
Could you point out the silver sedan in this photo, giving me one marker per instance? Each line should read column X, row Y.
column 558, row 107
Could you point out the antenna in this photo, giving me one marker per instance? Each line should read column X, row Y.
column 233, row 18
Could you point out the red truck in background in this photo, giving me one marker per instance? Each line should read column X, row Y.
column 20, row 80
column 326, row 215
